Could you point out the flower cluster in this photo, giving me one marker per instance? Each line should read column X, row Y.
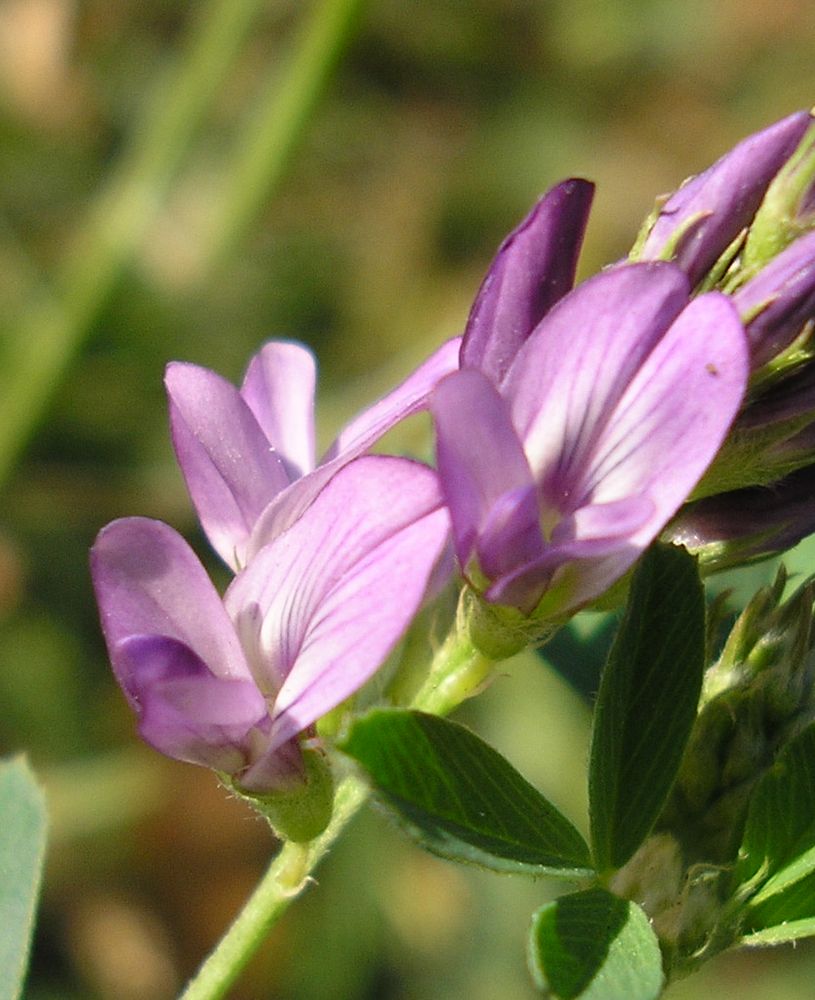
column 572, row 424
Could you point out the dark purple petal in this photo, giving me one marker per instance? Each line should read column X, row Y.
column 279, row 390
column 788, row 399
column 720, row 202
column 571, row 373
column 534, row 267
column 480, row 461
column 148, row 582
column 321, row 606
column 749, row 523
column 784, row 292
column 230, row 469
column 184, row 710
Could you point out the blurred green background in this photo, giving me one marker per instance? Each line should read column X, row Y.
column 184, row 180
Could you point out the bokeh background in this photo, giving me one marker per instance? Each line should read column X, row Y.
column 184, row 180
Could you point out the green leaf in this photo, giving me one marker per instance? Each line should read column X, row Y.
column 793, row 930
column 22, row 848
column 592, row 945
column 778, row 848
column 794, row 904
column 647, row 703
column 461, row 799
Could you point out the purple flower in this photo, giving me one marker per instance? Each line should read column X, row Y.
column 534, row 267
column 610, row 412
column 697, row 224
column 248, row 454
column 231, row 683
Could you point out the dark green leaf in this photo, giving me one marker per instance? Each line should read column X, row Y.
column 592, row 945
column 778, row 848
column 647, row 703
column 22, row 847
column 460, row 798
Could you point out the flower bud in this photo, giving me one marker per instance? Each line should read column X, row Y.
column 741, row 526
column 755, row 698
column 778, row 303
column 700, row 222
column 787, row 209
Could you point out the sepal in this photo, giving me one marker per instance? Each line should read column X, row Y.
column 302, row 811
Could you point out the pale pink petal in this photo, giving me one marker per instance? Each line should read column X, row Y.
column 230, row 468
column 668, row 426
column 279, row 390
column 407, row 398
column 410, row 397
column 321, row 606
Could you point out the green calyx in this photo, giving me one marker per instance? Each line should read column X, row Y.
column 301, row 813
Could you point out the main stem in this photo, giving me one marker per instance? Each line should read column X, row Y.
column 285, row 879
column 458, row 669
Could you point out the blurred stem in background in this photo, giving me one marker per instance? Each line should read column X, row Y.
column 41, row 342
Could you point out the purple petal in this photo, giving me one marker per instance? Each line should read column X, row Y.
column 589, row 551
column 184, row 710
column 324, row 604
column 290, row 504
column 724, row 198
column 407, row 398
column 534, row 267
column 148, row 581
column 480, row 460
column 785, row 288
column 578, row 363
column 230, row 469
column 668, row 426
column 279, row 390
column 511, row 534
column 357, row 437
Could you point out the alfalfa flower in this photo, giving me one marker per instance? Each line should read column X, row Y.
column 608, row 415
column 233, row 684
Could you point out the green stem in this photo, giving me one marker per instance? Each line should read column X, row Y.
column 456, row 673
column 286, row 878
column 277, row 123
